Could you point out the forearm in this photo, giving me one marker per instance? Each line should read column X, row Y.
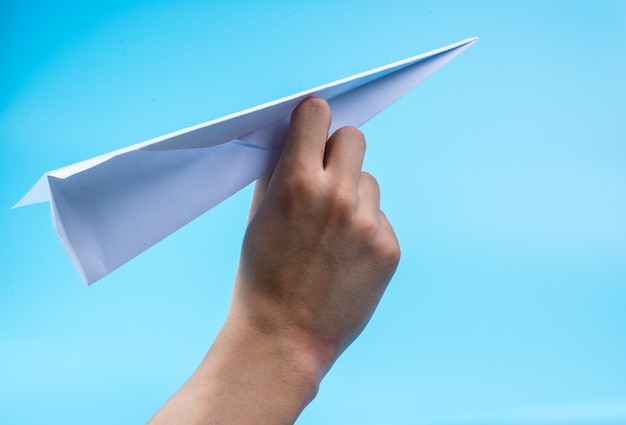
column 247, row 377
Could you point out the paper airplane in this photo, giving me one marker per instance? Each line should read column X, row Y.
column 108, row 209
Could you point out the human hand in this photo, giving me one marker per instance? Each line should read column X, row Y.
column 318, row 253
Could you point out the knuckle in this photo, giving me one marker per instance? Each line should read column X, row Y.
column 367, row 228
column 389, row 252
column 383, row 245
column 296, row 190
column 370, row 180
column 344, row 202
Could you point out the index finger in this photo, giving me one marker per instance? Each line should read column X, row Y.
column 308, row 133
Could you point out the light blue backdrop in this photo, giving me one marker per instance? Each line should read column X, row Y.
column 504, row 176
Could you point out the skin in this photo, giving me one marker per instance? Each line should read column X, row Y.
column 316, row 258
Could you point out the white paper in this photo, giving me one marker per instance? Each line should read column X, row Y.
column 108, row 209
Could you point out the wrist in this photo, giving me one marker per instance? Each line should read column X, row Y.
column 271, row 376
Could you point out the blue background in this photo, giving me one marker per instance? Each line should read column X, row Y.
column 504, row 176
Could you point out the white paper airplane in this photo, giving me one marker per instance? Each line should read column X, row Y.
column 108, row 209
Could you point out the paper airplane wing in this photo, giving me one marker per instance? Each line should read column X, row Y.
column 108, row 209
